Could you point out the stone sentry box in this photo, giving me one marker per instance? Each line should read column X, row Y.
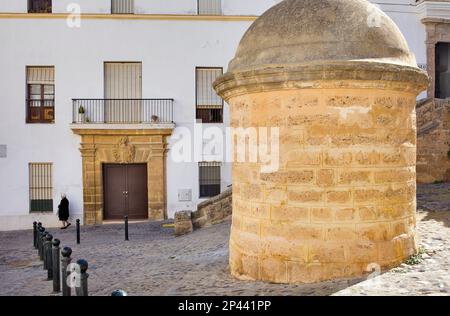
column 338, row 79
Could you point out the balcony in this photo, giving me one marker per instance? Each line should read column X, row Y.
column 91, row 112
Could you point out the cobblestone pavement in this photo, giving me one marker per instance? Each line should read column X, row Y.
column 156, row 263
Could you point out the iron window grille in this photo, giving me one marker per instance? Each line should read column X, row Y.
column 209, row 176
column 40, row 102
column 122, row 6
column 40, row 186
column 209, row 106
column 209, row 7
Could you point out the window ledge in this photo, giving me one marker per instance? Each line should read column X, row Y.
column 121, row 126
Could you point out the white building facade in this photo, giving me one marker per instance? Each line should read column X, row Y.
column 120, row 77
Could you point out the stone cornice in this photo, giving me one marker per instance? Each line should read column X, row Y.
column 349, row 74
column 121, row 132
column 434, row 10
column 435, row 21
column 94, row 16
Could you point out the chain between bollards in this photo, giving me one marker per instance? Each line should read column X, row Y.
column 56, row 261
column 126, row 228
column 78, row 231
column 65, row 261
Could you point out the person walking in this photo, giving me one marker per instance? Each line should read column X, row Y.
column 63, row 211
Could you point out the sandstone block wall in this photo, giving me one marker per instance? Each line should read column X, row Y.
column 343, row 199
column 433, row 141
column 214, row 210
column 210, row 212
column 183, row 223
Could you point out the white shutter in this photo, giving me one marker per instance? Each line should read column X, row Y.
column 122, row 6
column 207, row 98
column 123, row 81
column 40, row 75
column 209, row 7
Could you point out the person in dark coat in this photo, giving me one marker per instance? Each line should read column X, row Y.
column 63, row 211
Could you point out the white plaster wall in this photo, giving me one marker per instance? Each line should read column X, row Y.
column 405, row 15
column 13, row 6
column 86, row 6
column 247, row 7
column 165, row 7
column 229, row 7
column 169, row 51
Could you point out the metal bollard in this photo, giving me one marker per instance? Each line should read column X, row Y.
column 65, row 261
column 55, row 261
column 48, row 263
column 39, row 240
column 78, row 231
column 126, row 228
column 119, row 293
column 34, row 234
column 44, row 235
column 82, row 290
column 38, row 231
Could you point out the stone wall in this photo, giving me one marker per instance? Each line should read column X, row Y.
column 183, row 223
column 214, row 210
column 210, row 212
column 433, row 140
column 344, row 197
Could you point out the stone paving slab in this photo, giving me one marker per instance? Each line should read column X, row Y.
column 154, row 262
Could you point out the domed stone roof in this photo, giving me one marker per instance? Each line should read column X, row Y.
column 303, row 32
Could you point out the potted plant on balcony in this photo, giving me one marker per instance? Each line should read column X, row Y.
column 81, row 114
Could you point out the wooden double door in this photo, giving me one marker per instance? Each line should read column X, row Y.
column 125, row 191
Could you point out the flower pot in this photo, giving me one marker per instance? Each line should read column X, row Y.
column 81, row 117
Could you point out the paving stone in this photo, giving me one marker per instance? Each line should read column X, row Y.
column 154, row 262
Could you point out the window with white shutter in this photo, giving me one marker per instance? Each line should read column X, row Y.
column 210, row 7
column 40, row 94
column 122, row 6
column 209, row 105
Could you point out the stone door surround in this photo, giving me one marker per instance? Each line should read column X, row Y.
column 100, row 146
column 438, row 30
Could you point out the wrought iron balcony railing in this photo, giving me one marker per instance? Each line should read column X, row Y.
column 122, row 111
